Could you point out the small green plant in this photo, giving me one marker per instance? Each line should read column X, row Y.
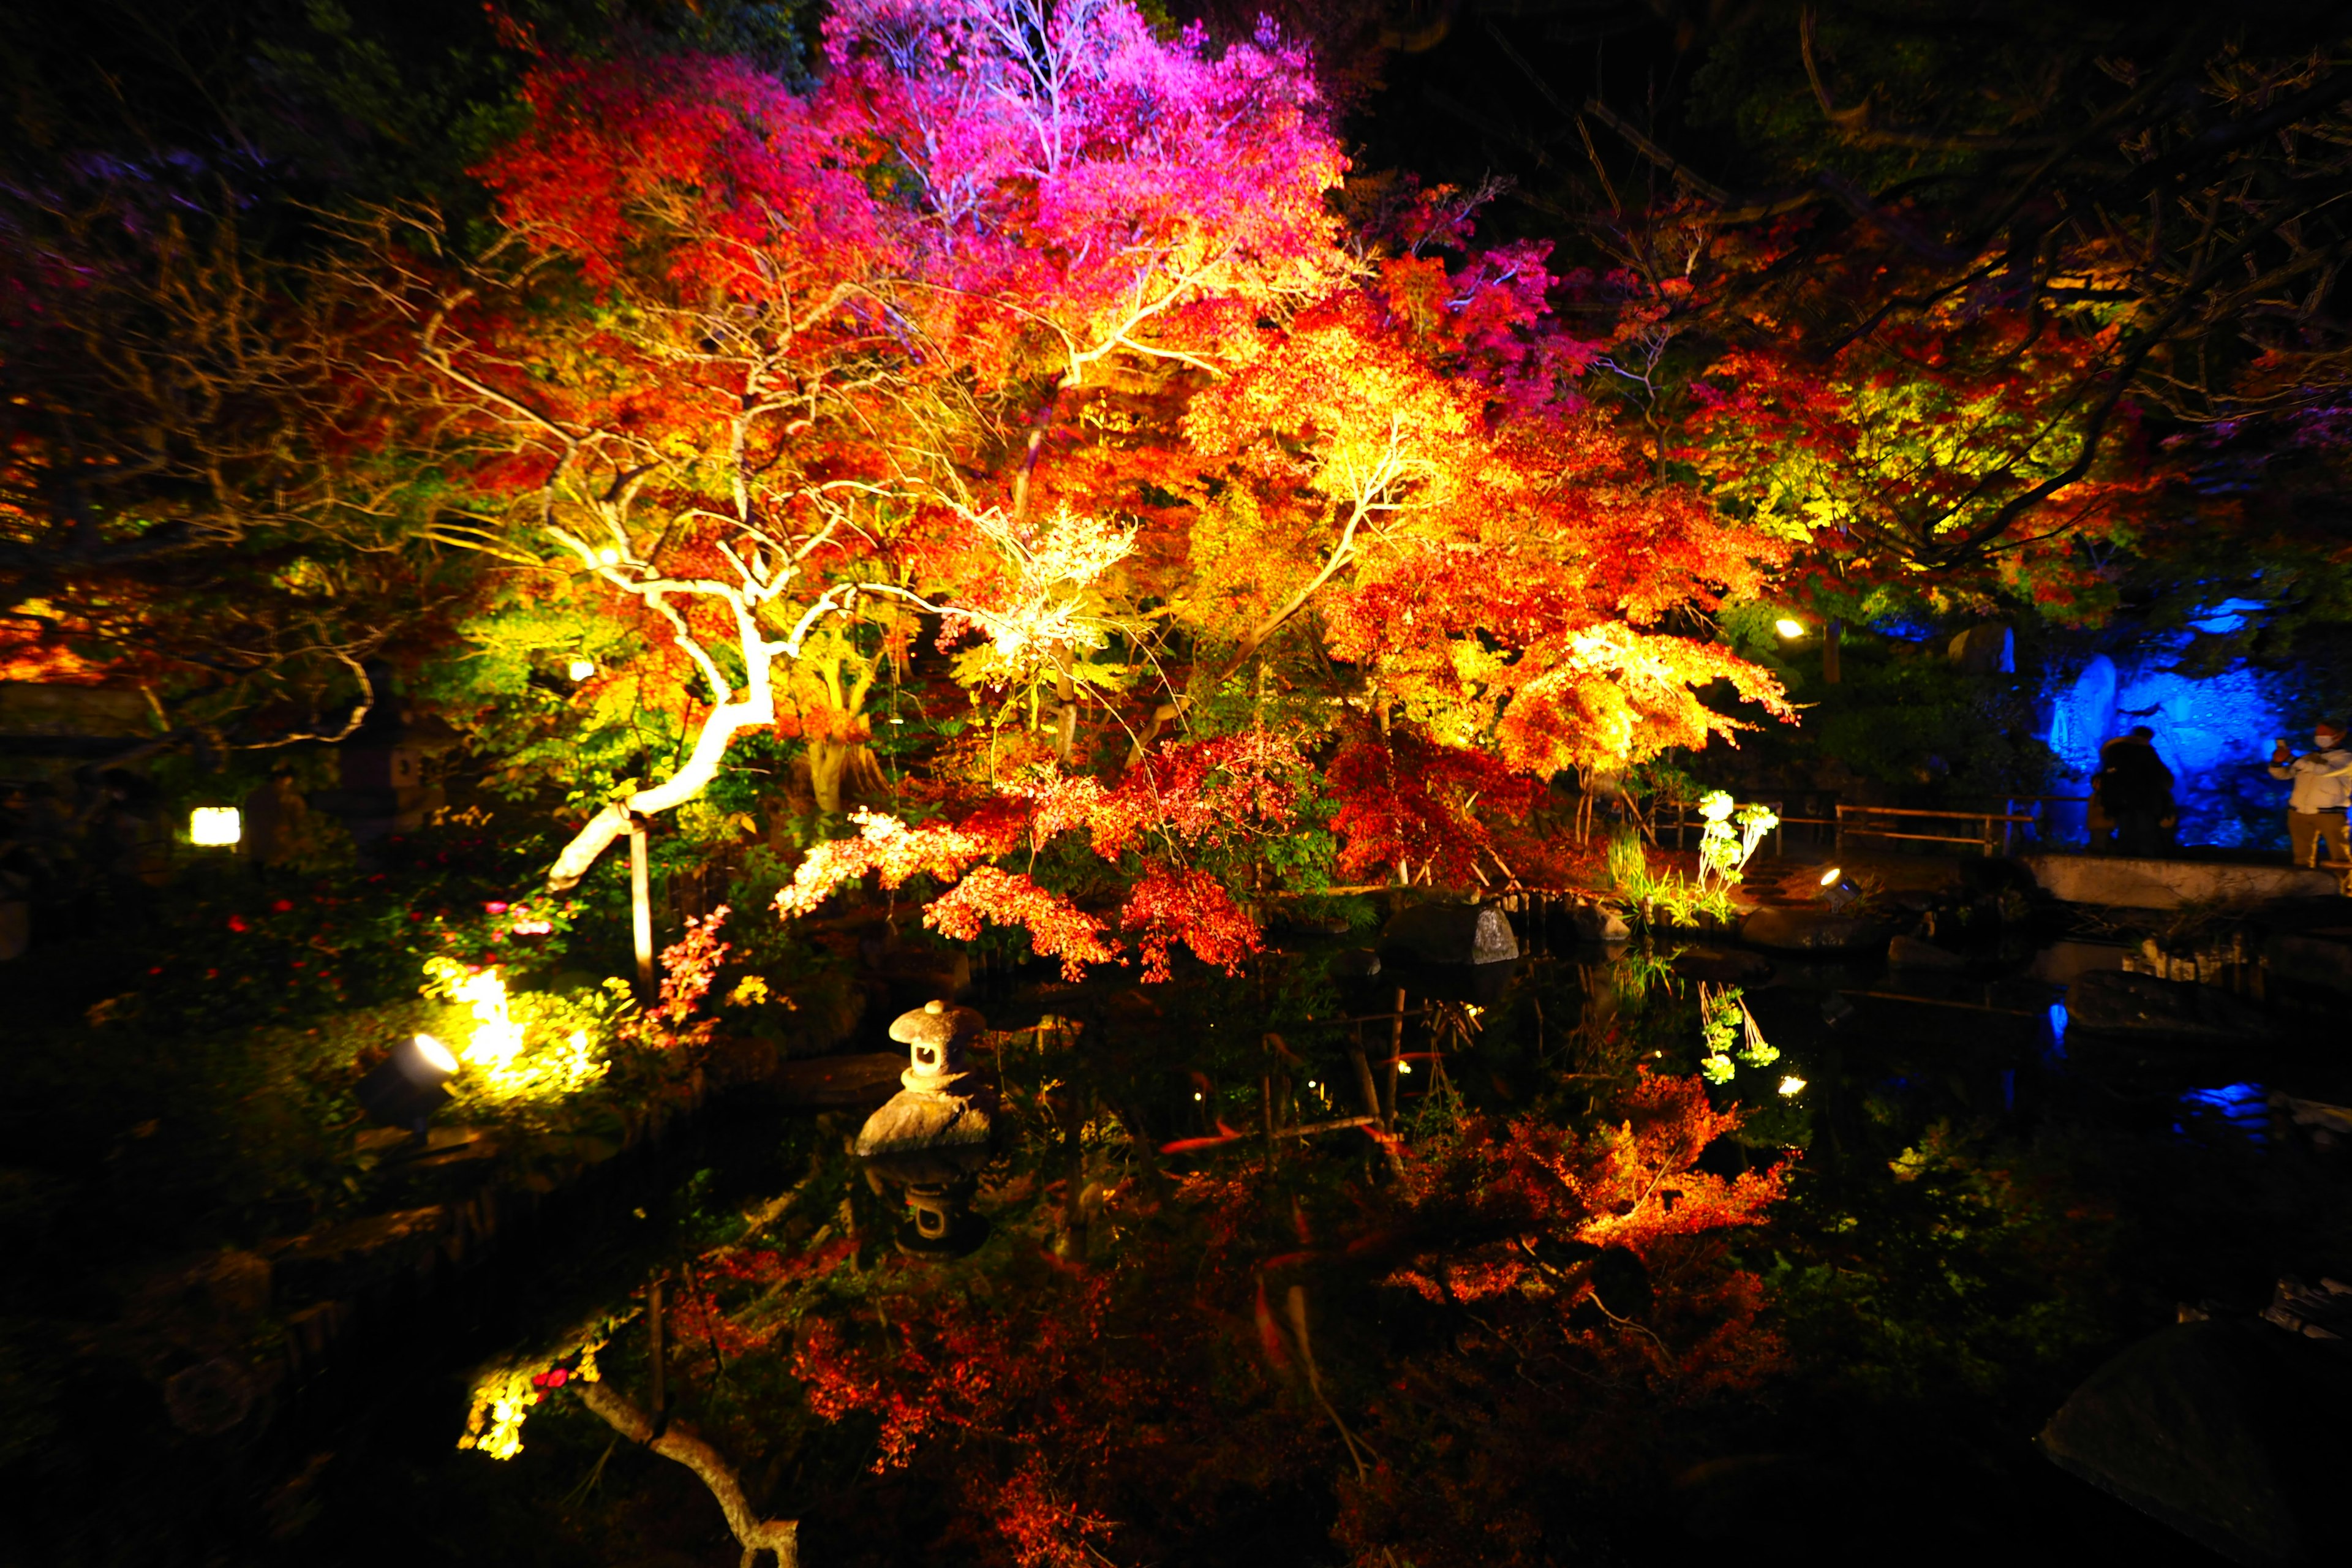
column 1666, row 899
column 1727, row 1026
column 1729, row 838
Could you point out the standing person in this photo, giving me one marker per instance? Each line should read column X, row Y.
column 2323, row 781
column 2135, row 793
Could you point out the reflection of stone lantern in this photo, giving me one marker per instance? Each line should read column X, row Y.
column 933, row 1134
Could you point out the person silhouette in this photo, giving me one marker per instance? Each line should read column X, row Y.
column 2134, row 794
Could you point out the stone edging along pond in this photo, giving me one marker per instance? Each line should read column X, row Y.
column 258, row 1346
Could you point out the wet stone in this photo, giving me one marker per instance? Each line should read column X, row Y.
column 2224, row 1430
column 1449, row 933
column 2119, row 1002
column 864, row 1078
column 1596, row 922
column 2322, row 957
column 1809, row 931
column 1722, row 965
column 1911, row 952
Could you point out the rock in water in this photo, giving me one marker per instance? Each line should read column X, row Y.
column 2117, row 1002
column 864, row 1079
column 2321, row 957
column 1910, row 952
column 1809, row 931
column 916, row 1119
column 1450, row 934
column 1722, row 965
column 2225, row 1431
column 1597, row 922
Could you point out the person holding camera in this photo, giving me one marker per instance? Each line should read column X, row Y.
column 2322, row 782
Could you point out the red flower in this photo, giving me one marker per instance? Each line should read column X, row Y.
column 494, row 908
column 282, row 906
column 237, row 923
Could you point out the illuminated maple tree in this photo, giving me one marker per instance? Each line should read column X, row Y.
column 739, row 353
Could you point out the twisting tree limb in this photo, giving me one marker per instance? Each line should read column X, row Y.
column 678, row 1442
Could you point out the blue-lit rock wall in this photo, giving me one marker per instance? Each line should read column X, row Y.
column 2214, row 733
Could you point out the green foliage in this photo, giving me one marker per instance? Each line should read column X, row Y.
column 1729, row 837
column 1726, row 1026
column 1660, row 898
column 1904, row 715
column 1973, row 1269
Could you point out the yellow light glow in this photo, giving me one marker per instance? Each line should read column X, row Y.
column 580, row 669
column 1830, row 877
column 1404, row 1066
column 1196, row 1094
column 219, row 825
column 434, row 1051
column 1789, row 628
column 608, row 556
column 1792, row 1085
column 502, row 1061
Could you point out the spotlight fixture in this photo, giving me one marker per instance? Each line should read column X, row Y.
column 411, row 1084
column 580, row 669
column 1838, row 889
column 1836, row 1010
column 1789, row 627
column 219, row 827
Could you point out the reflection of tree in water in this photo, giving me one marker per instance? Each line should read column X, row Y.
column 1141, row 1351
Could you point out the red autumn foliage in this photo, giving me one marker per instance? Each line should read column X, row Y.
column 1221, row 1340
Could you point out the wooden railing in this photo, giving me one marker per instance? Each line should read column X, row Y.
column 1859, row 821
column 1998, row 827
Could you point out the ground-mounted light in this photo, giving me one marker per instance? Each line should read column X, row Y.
column 1838, row 889
column 216, row 826
column 411, row 1084
column 1789, row 629
column 1793, row 1084
column 580, row 669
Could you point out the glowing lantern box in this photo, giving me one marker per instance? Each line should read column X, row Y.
column 217, row 826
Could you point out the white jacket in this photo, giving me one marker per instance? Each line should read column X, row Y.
column 2322, row 780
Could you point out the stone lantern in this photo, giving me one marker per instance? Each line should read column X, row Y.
column 942, row 1105
column 934, row 1132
